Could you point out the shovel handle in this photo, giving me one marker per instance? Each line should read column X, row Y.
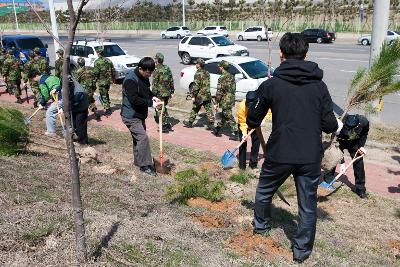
column 34, row 113
column 348, row 166
column 55, row 97
column 160, row 125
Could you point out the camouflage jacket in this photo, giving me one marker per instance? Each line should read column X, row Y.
column 163, row 82
column 104, row 71
column 27, row 68
column 85, row 76
column 201, row 85
column 58, row 67
column 40, row 63
column 2, row 59
column 226, row 90
column 12, row 69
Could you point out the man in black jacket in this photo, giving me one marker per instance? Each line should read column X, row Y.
column 301, row 109
column 136, row 99
column 353, row 137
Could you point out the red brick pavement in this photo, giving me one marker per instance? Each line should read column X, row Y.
column 381, row 178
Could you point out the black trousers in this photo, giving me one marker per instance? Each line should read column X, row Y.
column 255, row 148
column 358, row 167
column 80, row 120
column 306, row 177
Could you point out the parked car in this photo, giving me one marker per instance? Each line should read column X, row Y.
column 22, row 45
column 318, row 36
column 255, row 33
column 122, row 62
column 211, row 46
column 175, row 32
column 249, row 74
column 214, row 30
column 390, row 36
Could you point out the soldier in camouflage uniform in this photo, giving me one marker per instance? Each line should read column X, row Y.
column 201, row 96
column 12, row 70
column 59, row 63
column 104, row 74
column 85, row 76
column 28, row 67
column 163, row 88
column 225, row 99
column 41, row 63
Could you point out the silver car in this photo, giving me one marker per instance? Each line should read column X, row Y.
column 390, row 36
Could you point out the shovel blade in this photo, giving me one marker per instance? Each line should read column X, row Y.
column 27, row 121
column 327, row 186
column 228, row 159
column 165, row 168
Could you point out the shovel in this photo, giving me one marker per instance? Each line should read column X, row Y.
column 329, row 186
column 229, row 158
column 55, row 97
column 161, row 165
column 28, row 120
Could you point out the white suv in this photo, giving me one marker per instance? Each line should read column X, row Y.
column 255, row 33
column 86, row 49
column 211, row 46
column 175, row 32
column 214, row 30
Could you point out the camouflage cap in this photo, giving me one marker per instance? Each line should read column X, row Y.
column 160, row 57
column 224, row 64
column 99, row 49
column 81, row 61
column 31, row 53
column 200, row 61
column 36, row 50
column 60, row 52
column 10, row 51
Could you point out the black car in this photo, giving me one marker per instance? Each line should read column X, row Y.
column 318, row 36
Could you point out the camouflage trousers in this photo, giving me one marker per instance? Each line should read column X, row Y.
column 90, row 93
column 227, row 118
column 15, row 88
column 208, row 106
column 165, row 117
column 103, row 90
column 35, row 90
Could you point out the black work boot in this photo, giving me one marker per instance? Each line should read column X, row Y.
column 235, row 136
column 19, row 101
column 108, row 112
column 35, row 105
column 188, row 124
column 217, row 130
column 165, row 129
column 96, row 114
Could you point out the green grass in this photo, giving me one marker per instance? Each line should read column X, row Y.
column 13, row 131
column 35, row 236
column 151, row 254
column 191, row 184
column 242, row 177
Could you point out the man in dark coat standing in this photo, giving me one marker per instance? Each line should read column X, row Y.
column 136, row 99
column 301, row 109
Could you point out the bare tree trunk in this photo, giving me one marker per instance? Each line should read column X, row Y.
column 74, row 168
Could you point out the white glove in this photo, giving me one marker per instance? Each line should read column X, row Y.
column 60, row 111
column 340, row 126
column 363, row 151
column 156, row 102
column 40, row 106
column 342, row 168
column 52, row 92
column 244, row 137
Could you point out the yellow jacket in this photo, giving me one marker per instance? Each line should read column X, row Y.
column 242, row 115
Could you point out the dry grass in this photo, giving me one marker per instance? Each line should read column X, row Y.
column 130, row 223
column 388, row 134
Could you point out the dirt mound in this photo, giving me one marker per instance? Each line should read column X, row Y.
column 329, row 208
column 394, row 245
column 323, row 192
column 220, row 206
column 213, row 169
column 210, row 220
column 248, row 245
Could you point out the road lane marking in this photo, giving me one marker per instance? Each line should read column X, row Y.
column 341, row 59
column 351, row 71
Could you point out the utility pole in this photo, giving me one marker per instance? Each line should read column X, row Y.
column 380, row 23
column 53, row 24
column 16, row 18
column 183, row 12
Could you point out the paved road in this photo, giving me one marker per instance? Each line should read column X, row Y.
column 339, row 62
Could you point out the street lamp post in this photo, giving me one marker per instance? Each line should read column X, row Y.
column 53, row 24
column 183, row 12
column 16, row 18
